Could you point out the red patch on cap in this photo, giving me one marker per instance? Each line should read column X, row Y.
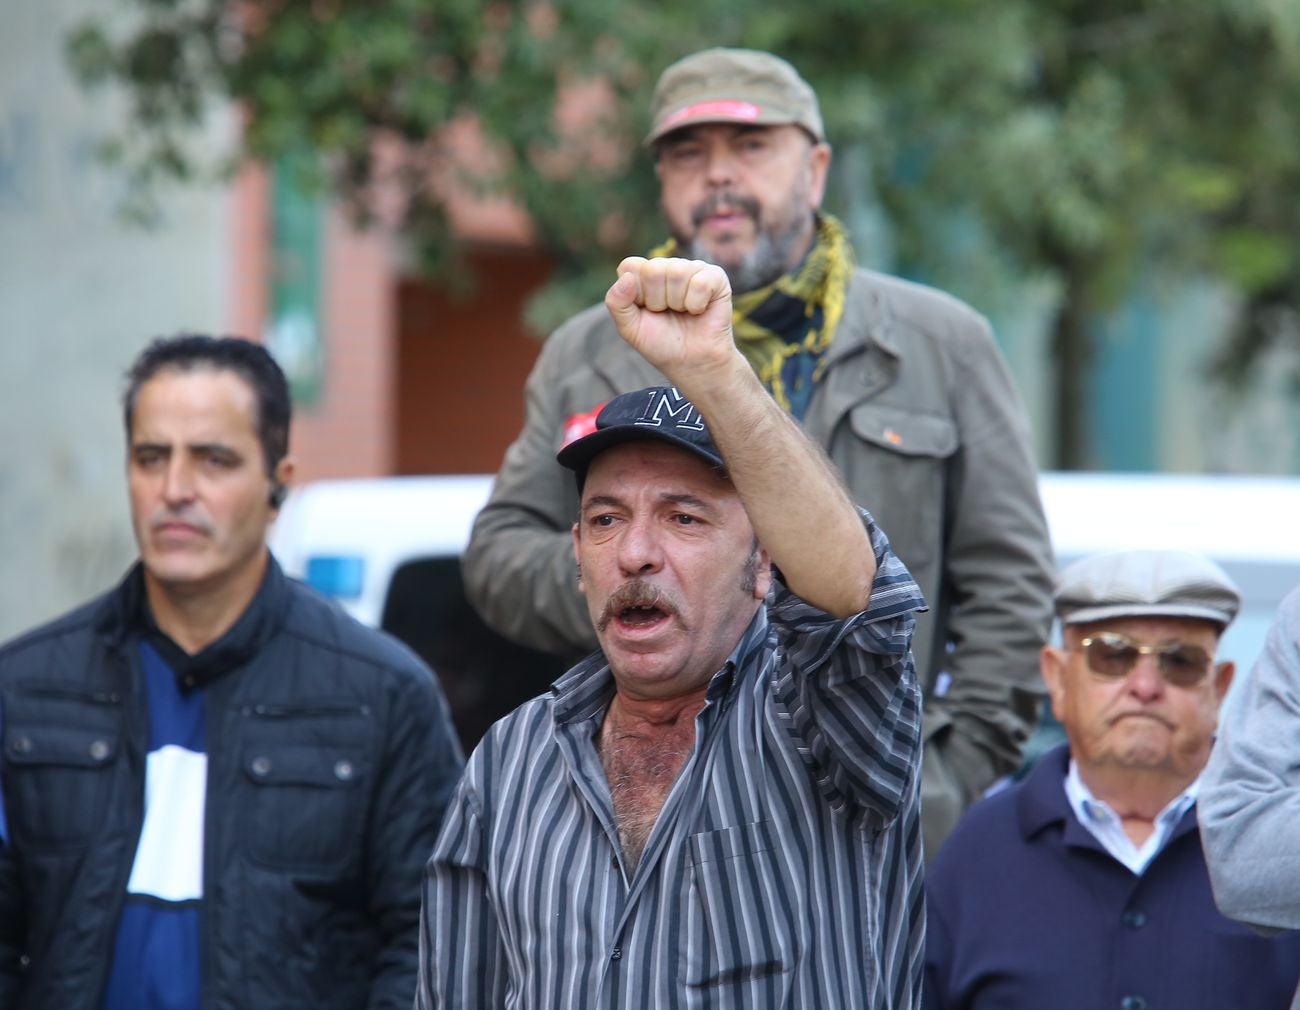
column 580, row 425
column 720, row 109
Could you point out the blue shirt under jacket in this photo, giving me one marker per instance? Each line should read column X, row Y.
column 1027, row 910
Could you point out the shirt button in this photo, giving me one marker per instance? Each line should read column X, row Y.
column 343, row 770
column 616, row 954
column 22, row 745
column 99, row 750
column 261, row 767
column 1133, row 1003
column 1134, row 919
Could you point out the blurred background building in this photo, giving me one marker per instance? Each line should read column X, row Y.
column 397, row 373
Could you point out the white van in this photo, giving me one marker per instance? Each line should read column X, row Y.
column 349, row 538
column 388, row 550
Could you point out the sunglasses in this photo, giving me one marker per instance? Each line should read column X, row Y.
column 1113, row 656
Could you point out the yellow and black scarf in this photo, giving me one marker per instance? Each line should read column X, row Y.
column 784, row 328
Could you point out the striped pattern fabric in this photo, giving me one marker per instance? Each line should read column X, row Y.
column 785, row 869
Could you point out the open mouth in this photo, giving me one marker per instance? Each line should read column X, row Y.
column 636, row 606
column 641, row 616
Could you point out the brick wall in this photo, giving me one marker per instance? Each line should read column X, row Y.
column 350, row 430
column 462, row 361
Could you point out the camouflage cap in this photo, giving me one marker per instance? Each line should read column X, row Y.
column 733, row 86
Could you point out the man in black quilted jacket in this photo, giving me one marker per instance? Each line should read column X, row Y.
column 216, row 790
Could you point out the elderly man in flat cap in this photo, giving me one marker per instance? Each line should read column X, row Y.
column 904, row 387
column 1085, row 885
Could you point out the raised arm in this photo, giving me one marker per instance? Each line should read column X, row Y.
column 677, row 315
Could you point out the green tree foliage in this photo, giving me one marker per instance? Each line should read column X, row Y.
column 1082, row 141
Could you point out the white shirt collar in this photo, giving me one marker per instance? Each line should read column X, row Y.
column 1105, row 825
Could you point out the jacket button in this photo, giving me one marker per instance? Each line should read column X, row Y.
column 99, row 750
column 616, row 954
column 22, row 745
column 261, row 767
column 1133, row 1003
column 343, row 771
column 1134, row 919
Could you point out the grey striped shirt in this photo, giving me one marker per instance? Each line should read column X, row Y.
column 784, row 871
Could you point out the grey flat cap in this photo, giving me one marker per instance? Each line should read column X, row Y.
column 1146, row 584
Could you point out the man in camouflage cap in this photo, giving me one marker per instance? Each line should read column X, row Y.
column 903, row 385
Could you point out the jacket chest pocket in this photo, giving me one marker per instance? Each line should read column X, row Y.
column 306, row 773
column 906, row 454
column 57, row 783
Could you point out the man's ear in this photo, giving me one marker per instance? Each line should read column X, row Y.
column 280, row 482
column 1223, row 674
column 577, row 557
column 819, row 164
column 1051, row 664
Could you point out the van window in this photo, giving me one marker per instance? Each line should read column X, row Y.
column 484, row 675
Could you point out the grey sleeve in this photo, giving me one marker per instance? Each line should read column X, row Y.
column 519, row 566
column 997, row 572
column 1249, row 805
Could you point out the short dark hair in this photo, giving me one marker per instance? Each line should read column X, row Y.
column 190, row 352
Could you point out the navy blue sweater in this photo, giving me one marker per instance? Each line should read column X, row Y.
column 1027, row 911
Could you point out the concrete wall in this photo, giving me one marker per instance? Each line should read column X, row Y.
column 80, row 293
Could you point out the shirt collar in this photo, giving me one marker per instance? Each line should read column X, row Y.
column 1104, row 823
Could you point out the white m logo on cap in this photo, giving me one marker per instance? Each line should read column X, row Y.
column 667, row 406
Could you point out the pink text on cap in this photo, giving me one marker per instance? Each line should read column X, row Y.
column 723, row 109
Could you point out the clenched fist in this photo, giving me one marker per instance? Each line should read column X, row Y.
column 677, row 314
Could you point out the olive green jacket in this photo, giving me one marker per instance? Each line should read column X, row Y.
column 917, row 409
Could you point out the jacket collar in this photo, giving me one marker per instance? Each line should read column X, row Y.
column 124, row 616
column 1042, row 803
column 868, row 318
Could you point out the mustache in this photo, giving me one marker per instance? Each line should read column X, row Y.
column 637, row 593
column 179, row 516
column 723, row 198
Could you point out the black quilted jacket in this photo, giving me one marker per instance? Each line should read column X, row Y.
column 331, row 757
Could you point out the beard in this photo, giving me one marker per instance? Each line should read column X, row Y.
column 774, row 246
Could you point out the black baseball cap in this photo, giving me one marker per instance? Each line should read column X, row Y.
column 659, row 413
